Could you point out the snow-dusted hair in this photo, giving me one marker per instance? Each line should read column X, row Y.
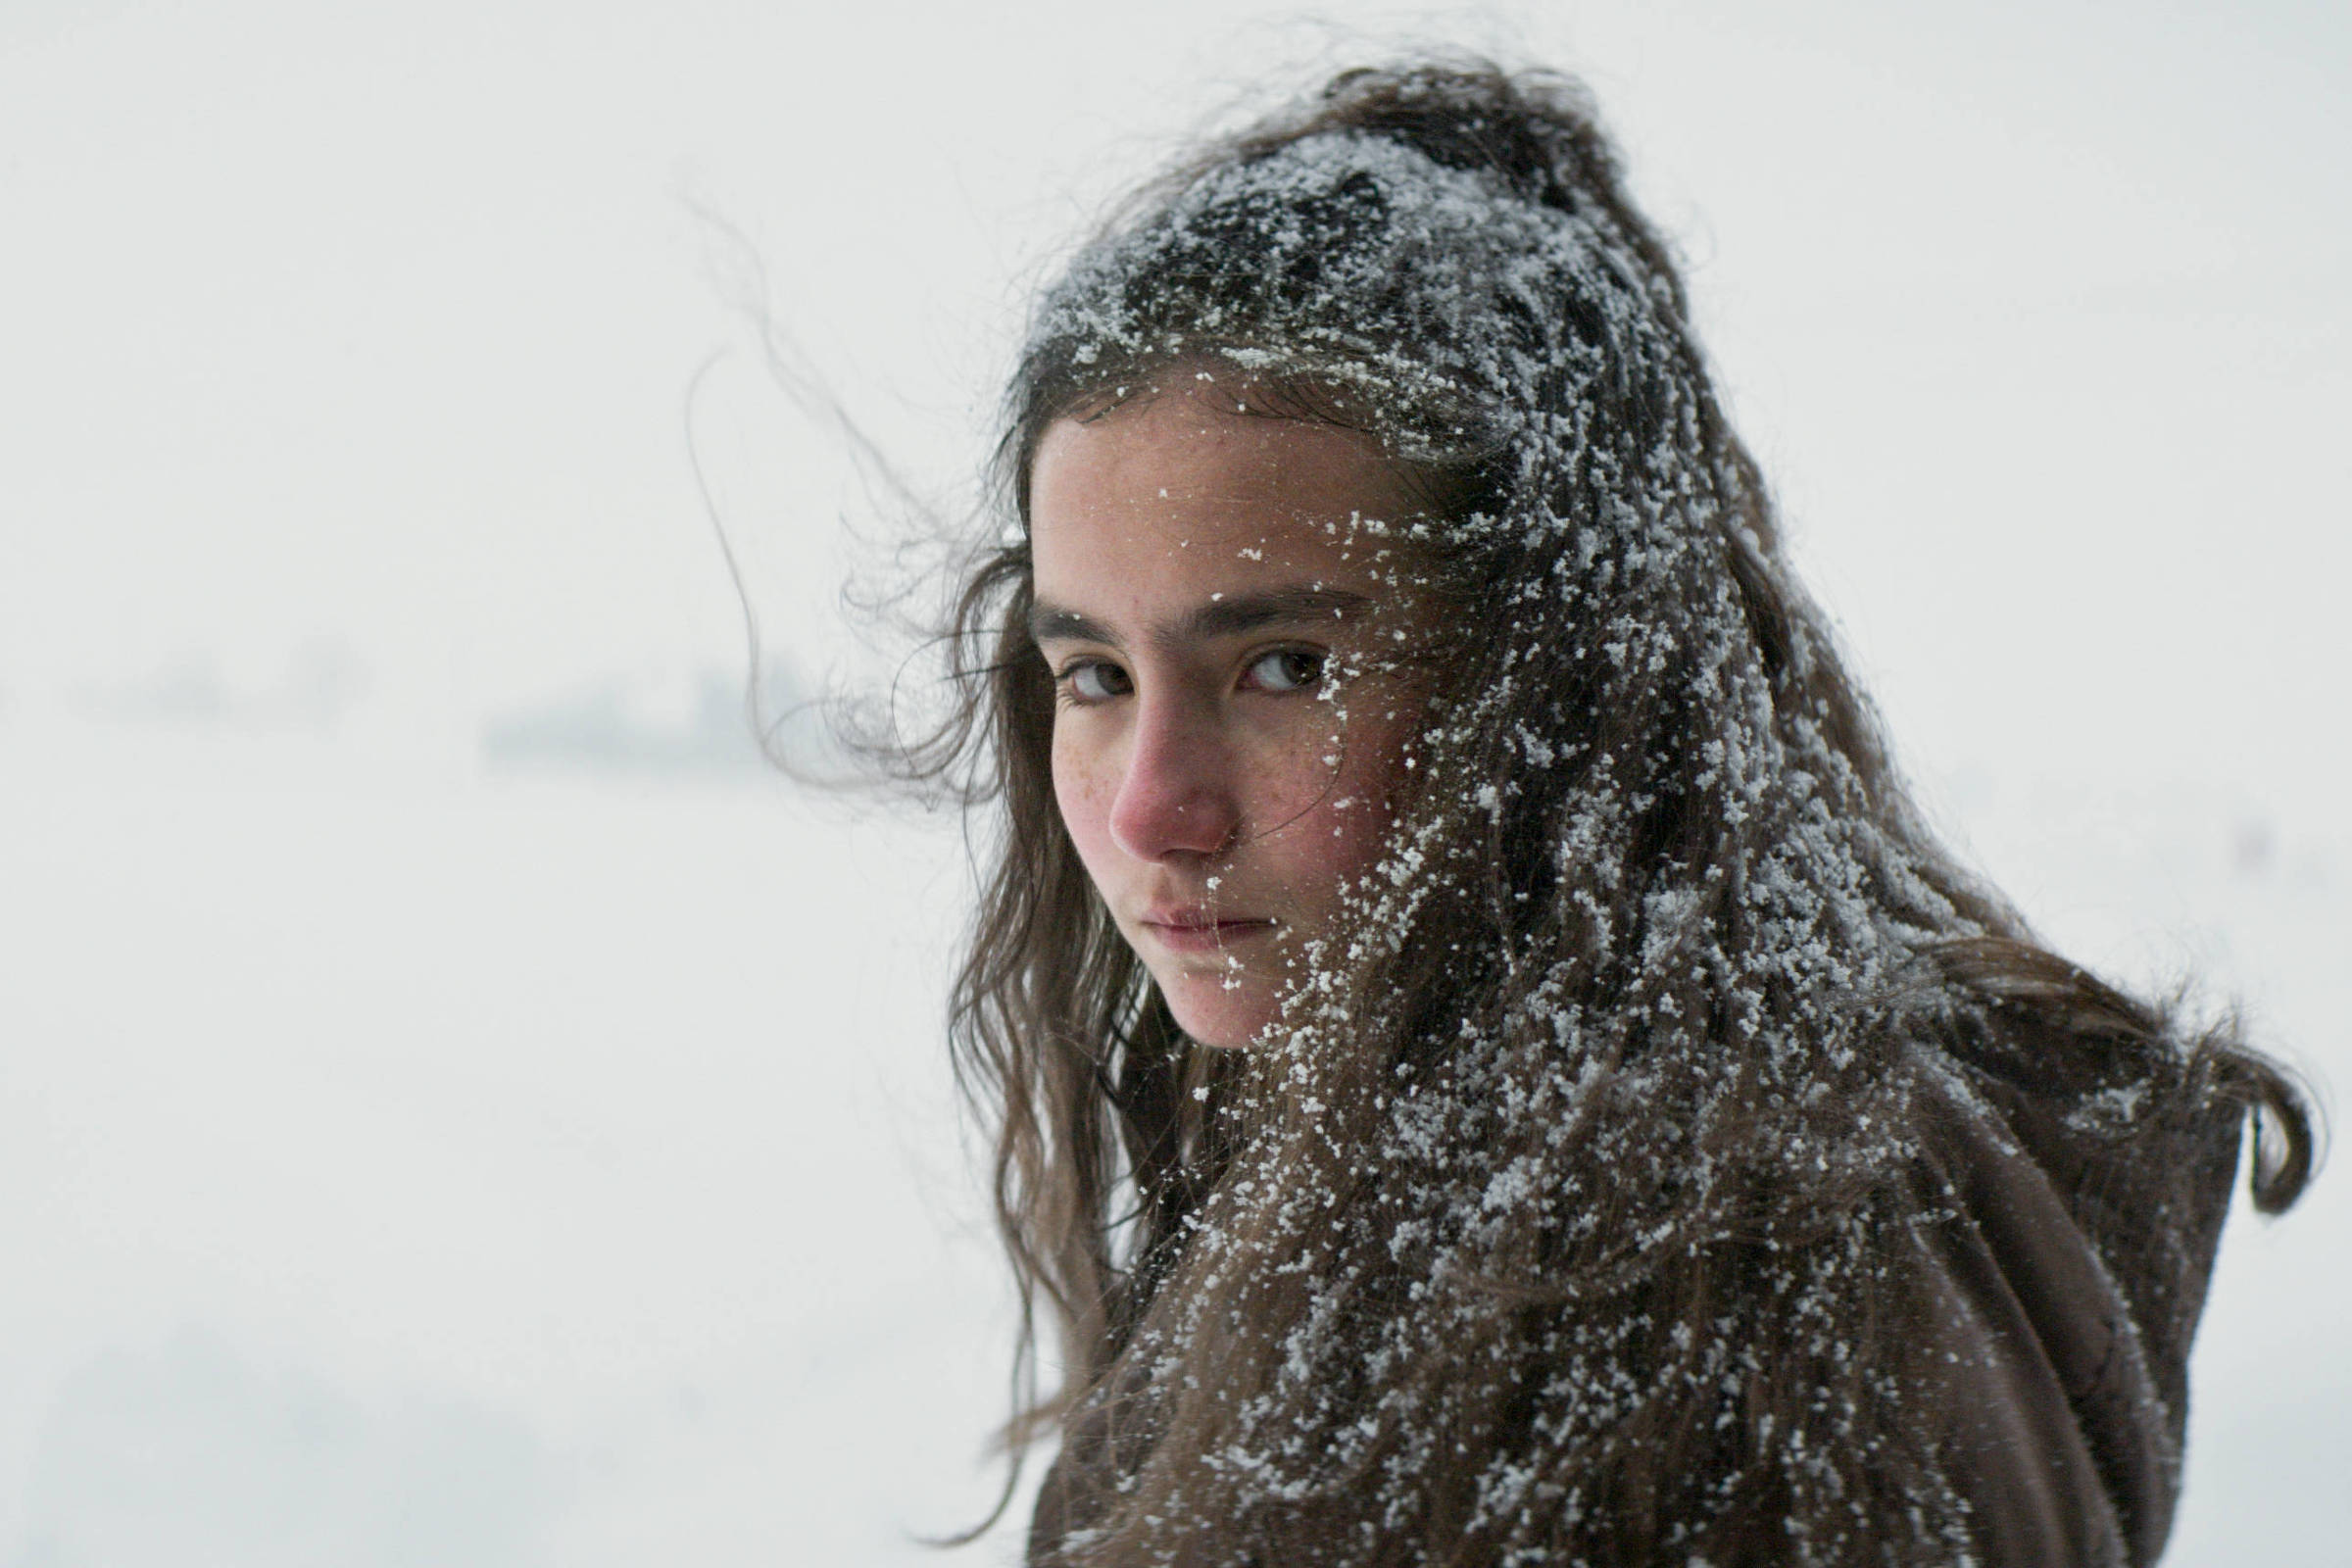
column 1567, row 1217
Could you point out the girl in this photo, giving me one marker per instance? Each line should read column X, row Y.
column 1487, row 1065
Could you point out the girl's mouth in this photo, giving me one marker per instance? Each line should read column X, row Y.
column 1190, row 931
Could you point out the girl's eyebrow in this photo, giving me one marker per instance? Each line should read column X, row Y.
column 1049, row 623
column 1228, row 616
column 1222, row 617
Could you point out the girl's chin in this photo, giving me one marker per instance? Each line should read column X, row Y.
column 1218, row 1011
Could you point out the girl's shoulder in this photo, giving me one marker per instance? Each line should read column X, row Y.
column 2076, row 1183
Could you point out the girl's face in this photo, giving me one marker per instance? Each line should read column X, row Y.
column 1235, row 648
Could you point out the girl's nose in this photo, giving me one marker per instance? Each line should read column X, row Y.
column 1175, row 797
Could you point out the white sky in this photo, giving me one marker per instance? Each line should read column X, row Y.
column 344, row 356
column 372, row 325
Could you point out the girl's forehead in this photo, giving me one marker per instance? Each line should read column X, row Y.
column 1191, row 469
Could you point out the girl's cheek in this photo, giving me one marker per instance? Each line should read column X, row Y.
column 1079, row 793
column 1297, row 780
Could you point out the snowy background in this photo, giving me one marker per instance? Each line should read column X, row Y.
column 456, row 1108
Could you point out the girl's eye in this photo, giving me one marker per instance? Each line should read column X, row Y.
column 1286, row 670
column 1091, row 680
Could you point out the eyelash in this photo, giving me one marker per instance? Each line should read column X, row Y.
column 1315, row 658
column 1066, row 679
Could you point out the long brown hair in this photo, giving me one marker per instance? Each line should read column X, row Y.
column 1567, row 1212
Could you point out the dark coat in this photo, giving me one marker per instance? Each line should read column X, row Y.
column 2075, row 1270
column 2079, row 1221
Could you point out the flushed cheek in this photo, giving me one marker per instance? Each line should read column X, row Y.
column 1346, row 829
column 1083, row 791
column 1298, row 768
column 1312, row 858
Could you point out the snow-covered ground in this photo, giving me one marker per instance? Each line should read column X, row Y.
column 539, row 1171
column 456, row 1108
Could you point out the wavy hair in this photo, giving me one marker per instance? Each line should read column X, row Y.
column 1567, row 1211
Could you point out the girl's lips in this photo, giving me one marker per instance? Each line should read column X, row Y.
column 1197, row 934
